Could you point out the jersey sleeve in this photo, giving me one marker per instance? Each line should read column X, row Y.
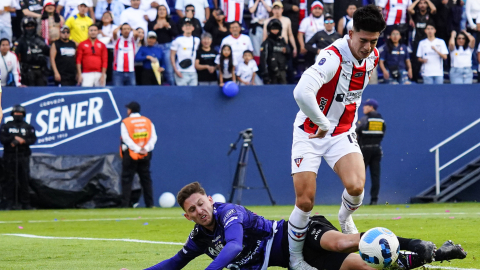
column 312, row 80
column 303, row 26
column 420, row 49
column 174, row 46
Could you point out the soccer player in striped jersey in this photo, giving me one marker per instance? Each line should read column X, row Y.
column 329, row 94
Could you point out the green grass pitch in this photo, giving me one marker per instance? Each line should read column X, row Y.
column 435, row 222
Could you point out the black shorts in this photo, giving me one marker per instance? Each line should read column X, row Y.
column 313, row 253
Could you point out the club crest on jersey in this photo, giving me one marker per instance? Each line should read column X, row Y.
column 297, row 234
column 322, row 61
column 358, row 74
column 298, row 161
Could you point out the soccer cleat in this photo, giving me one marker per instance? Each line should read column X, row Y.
column 424, row 249
column 449, row 251
column 348, row 226
column 302, row 265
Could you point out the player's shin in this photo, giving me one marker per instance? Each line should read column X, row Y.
column 297, row 230
column 349, row 205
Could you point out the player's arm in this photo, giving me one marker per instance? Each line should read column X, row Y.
column 312, row 80
column 234, row 245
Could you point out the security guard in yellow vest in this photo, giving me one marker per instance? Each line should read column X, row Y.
column 370, row 131
column 138, row 140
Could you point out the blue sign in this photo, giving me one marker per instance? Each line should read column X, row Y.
column 65, row 116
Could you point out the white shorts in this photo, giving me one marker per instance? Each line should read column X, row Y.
column 92, row 79
column 307, row 153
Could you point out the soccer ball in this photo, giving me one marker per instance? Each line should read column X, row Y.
column 166, row 200
column 379, row 248
column 217, row 197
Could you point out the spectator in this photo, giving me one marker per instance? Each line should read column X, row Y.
column 31, row 52
column 139, row 42
column 431, row 53
column 328, row 6
column 311, row 25
column 115, row 7
column 226, row 65
column 217, row 28
column 395, row 60
column 321, row 40
column 260, row 12
column 246, row 70
column 166, row 30
column 461, row 47
column 238, row 42
column 32, row 8
column 126, row 3
column 62, row 55
column 183, row 55
column 421, row 12
column 205, row 62
column 105, row 35
column 286, row 33
column 189, row 14
column 296, row 11
column 135, row 17
column 71, row 8
column 275, row 54
column 442, row 19
column 456, row 16
column 92, row 60
column 343, row 22
column 150, row 7
column 51, row 22
column 233, row 10
column 79, row 24
column 151, row 56
column 201, row 6
column 396, row 17
column 9, row 66
column 124, row 56
column 6, row 6
column 472, row 10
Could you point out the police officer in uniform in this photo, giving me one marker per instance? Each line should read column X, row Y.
column 138, row 141
column 370, row 130
column 16, row 137
column 274, row 54
column 32, row 52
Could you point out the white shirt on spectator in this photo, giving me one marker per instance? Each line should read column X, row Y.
column 135, row 18
column 70, row 7
column 310, row 26
column 6, row 18
column 261, row 13
column 233, row 10
column 9, row 63
column 199, row 5
column 186, row 50
column 472, row 10
column 245, row 71
column 461, row 58
column 126, row 2
column 226, row 73
column 395, row 10
column 106, row 36
column 239, row 45
column 146, row 5
column 434, row 65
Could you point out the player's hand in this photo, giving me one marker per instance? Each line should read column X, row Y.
column 320, row 134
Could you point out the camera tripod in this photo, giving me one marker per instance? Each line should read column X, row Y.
column 240, row 171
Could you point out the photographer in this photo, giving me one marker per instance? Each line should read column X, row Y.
column 274, row 55
column 16, row 137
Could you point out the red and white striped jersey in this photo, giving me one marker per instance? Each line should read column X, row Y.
column 341, row 80
column 395, row 11
column 233, row 10
column 124, row 54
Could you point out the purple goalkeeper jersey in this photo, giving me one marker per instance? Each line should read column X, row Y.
column 234, row 224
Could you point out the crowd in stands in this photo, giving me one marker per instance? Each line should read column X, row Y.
column 212, row 42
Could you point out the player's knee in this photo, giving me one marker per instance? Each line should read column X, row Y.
column 355, row 190
column 305, row 203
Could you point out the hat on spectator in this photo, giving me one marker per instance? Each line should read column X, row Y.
column 133, row 106
column 328, row 16
column 187, row 21
column 316, row 4
column 82, row 2
column 372, row 102
column 278, row 4
column 64, row 27
column 48, row 3
column 151, row 34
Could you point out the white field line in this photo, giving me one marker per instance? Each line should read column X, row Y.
column 163, row 243
column 393, row 214
column 93, row 239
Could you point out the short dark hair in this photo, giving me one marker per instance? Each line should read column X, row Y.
column 248, row 51
column 188, row 191
column 4, row 39
column 368, row 18
column 431, row 24
column 121, row 27
column 190, row 5
column 235, row 22
column 93, row 25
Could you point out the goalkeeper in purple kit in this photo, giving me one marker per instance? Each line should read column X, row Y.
column 236, row 238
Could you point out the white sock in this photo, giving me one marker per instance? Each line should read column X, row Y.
column 297, row 228
column 349, row 205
